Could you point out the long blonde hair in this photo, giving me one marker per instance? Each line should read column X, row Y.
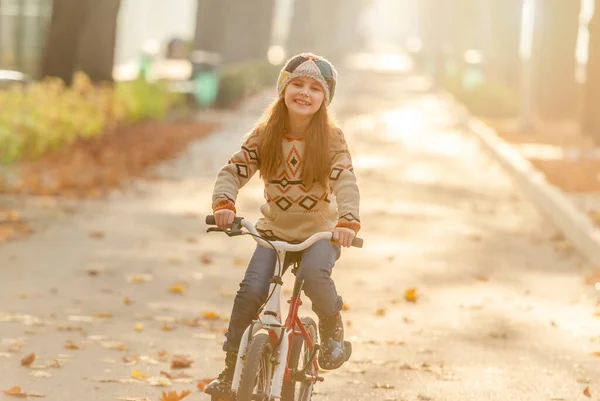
column 271, row 131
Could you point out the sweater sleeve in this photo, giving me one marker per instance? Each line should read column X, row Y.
column 343, row 183
column 235, row 174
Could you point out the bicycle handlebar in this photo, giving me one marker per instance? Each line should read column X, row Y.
column 240, row 222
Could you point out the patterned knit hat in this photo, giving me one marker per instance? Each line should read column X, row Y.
column 312, row 66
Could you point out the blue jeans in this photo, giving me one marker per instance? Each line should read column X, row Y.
column 316, row 265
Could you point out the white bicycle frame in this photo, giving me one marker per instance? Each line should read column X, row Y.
column 270, row 317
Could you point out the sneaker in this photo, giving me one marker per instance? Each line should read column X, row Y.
column 221, row 386
column 334, row 350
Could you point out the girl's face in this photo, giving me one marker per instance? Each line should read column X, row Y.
column 303, row 96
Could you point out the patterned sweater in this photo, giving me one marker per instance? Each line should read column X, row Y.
column 292, row 211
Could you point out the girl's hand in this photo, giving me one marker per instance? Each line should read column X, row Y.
column 224, row 218
column 343, row 236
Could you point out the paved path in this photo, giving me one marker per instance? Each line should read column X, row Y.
column 503, row 312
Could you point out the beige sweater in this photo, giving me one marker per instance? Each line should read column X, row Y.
column 293, row 212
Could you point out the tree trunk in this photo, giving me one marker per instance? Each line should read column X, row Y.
column 210, row 20
column 237, row 33
column 97, row 44
column 590, row 122
column 553, row 58
column 503, row 54
column 62, row 44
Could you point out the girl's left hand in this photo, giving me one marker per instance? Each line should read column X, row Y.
column 343, row 236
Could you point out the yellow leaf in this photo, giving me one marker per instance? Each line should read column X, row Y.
column 411, row 295
column 380, row 312
column 210, row 315
column 138, row 374
column 177, row 288
column 127, row 301
column 345, row 306
column 139, row 326
column 596, row 353
column 587, row 392
column 238, row 262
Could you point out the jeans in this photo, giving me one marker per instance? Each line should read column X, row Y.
column 316, row 265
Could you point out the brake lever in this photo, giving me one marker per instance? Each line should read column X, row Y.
column 230, row 232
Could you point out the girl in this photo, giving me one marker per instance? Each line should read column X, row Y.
column 310, row 187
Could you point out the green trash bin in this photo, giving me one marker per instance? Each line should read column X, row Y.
column 206, row 71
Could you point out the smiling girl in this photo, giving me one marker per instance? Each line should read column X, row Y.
column 310, row 187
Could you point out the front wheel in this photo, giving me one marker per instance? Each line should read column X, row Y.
column 257, row 372
column 299, row 356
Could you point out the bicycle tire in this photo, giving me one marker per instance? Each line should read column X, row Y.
column 300, row 391
column 259, row 354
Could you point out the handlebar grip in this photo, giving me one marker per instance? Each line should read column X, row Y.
column 357, row 242
column 210, row 220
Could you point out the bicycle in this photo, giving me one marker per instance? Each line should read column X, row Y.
column 269, row 354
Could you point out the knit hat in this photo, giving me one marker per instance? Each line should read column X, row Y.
column 312, row 66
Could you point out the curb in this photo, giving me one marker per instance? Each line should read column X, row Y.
column 551, row 200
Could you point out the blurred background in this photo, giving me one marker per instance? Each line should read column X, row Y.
column 84, row 68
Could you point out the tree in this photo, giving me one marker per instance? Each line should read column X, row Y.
column 81, row 36
column 590, row 122
column 236, row 33
column 553, row 58
column 503, row 50
column 98, row 38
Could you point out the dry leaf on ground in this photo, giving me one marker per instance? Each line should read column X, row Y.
column 97, row 234
column 15, row 392
column 28, row 360
column 411, row 295
column 139, row 326
column 138, row 374
column 202, row 383
column 385, row 386
column 587, row 392
column 180, row 362
column 172, row 395
column 71, row 345
column 380, row 312
column 168, row 327
column 210, row 315
column 178, row 288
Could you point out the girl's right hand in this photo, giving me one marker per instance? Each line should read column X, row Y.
column 224, row 218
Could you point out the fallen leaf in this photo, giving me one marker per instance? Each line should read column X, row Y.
column 138, row 374
column 172, row 395
column 103, row 315
column 345, row 306
column 206, row 259
column 139, row 326
column 97, row 234
column 139, row 278
column 28, row 360
column 385, row 386
column 191, row 240
column 210, row 315
column 127, row 301
column 587, row 392
column 422, row 397
column 596, row 353
column 411, row 295
column 237, row 262
column 380, row 312
column 178, row 288
column 15, row 392
column 168, row 327
column 15, row 347
column 482, row 278
column 202, row 383
column 71, row 345
column 175, row 261
column 180, row 362
column 66, row 327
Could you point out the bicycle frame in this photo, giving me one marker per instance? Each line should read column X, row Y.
column 281, row 334
column 269, row 319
